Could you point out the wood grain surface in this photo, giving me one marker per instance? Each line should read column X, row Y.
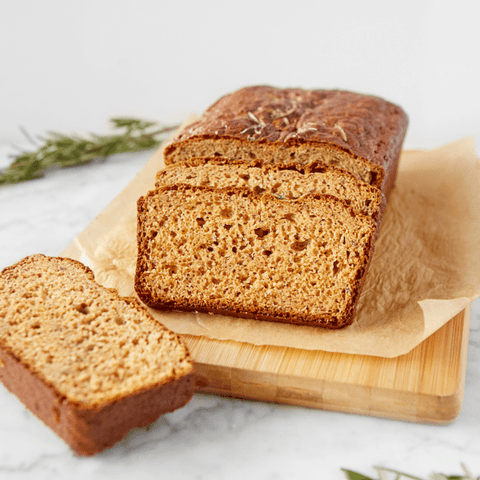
column 425, row 385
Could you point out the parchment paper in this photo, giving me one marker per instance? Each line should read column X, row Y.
column 425, row 269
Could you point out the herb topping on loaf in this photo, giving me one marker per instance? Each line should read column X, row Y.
column 361, row 133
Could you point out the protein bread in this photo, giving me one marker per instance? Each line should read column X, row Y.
column 90, row 364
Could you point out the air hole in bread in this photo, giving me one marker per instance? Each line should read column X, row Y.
column 275, row 187
column 336, row 267
column 200, row 221
column 244, row 176
column 171, row 269
column 261, row 232
column 82, row 308
column 298, row 246
column 289, row 216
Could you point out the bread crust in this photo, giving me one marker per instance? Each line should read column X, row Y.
column 89, row 428
column 368, row 129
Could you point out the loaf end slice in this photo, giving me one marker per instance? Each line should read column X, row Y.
column 90, row 364
column 235, row 252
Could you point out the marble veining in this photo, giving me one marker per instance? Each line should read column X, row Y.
column 212, row 437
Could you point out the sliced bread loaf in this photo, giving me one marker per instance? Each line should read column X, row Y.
column 253, row 255
column 360, row 133
column 285, row 181
column 90, row 364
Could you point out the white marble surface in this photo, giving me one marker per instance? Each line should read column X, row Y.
column 212, row 437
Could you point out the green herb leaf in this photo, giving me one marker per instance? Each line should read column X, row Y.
column 59, row 150
column 354, row 475
column 384, row 475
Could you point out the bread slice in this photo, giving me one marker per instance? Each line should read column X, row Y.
column 360, row 133
column 90, row 364
column 236, row 252
column 285, row 181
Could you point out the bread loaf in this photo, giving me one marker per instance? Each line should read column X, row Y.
column 359, row 133
column 250, row 254
column 285, row 181
column 270, row 205
column 90, row 364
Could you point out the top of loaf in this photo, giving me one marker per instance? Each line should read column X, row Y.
column 364, row 126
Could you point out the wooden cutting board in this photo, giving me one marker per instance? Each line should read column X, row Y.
column 425, row 385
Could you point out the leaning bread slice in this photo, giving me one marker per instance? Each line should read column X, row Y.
column 236, row 252
column 90, row 364
column 287, row 181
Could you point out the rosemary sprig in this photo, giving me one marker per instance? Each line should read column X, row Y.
column 59, row 150
column 384, row 474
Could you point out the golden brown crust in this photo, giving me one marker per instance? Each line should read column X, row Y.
column 368, row 129
column 88, row 427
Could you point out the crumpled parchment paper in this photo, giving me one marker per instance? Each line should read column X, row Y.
column 425, row 269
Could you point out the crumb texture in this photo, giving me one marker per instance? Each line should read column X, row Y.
column 88, row 343
column 250, row 254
